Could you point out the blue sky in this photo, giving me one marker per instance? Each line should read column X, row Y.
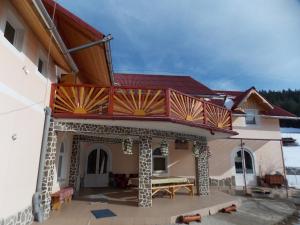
column 225, row 44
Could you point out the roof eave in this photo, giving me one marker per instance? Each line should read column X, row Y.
column 281, row 117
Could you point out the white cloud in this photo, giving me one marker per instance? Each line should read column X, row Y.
column 249, row 42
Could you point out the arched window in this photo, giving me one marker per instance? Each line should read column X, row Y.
column 159, row 162
column 239, row 163
column 97, row 162
column 61, row 163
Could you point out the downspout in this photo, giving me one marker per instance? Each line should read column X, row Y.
column 37, row 210
column 52, row 29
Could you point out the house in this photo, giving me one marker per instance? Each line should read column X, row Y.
column 291, row 149
column 102, row 124
column 254, row 119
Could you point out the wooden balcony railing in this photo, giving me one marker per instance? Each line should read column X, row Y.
column 88, row 101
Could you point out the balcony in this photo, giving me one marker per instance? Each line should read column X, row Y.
column 128, row 103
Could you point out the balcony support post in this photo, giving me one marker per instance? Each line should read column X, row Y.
column 145, row 172
column 202, row 175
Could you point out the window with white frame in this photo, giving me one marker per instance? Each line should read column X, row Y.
column 160, row 162
column 61, row 163
column 251, row 116
column 13, row 30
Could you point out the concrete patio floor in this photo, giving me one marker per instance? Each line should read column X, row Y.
column 124, row 204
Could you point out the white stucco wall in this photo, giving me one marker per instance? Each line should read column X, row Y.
column 23, row 96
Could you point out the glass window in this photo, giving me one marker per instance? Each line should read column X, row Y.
column 9, row 32
column 159, row 162
column 103, row 162
column 92, row 162
column 40, row 66
column 239, row 162
column 60, row 165
column 250, row 116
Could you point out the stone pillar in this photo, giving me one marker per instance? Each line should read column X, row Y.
column 74, row 165
column 145, row 172
column 202, row 176
column 47, row 181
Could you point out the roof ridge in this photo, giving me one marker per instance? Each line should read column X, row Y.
column 153, row 74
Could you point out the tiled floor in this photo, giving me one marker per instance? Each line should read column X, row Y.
column 124, row 205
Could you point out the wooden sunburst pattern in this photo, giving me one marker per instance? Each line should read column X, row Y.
column 139, row 102
column 218, row 117
column 186, row 108
column 80, row 100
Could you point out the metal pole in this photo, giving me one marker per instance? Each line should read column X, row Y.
column 244, row 166
column 91, row 44
column 284, row 171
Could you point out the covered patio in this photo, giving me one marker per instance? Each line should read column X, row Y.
column 143, row 134
column 123, row 204
column 107, row 124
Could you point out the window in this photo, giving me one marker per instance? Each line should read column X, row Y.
column 239, row 162
column 9, row 32
column 251, row 116
column 41, row 64
column 92, row 160
column 159, row 162
column 60, row 166
column 13, row 30
column 97, row 162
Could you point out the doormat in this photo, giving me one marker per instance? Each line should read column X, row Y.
column 102, row 213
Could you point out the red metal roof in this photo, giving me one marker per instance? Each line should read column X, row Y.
column 185, row 84
column 277, row 111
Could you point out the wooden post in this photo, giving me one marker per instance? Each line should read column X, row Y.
column 284, row 171
column 111, row 101
column 204, row 113
column 167, row 96
column 52, row 96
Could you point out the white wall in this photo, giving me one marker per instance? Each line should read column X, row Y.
column 23, row 97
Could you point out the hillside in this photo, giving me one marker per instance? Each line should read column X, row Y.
column 288, row 100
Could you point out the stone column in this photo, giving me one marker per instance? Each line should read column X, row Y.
column 74, row 165
column 202, row 176
column 47, row 181
column 145, row 172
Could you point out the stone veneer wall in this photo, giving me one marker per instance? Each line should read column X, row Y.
column 23, row 217
column 227, row 182
column 74, row 167
column 103, row 130
column 145, row 172
column 48, row 171
column 202, row 176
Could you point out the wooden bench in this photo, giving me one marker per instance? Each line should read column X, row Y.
column 171, row 189
column 61, row 196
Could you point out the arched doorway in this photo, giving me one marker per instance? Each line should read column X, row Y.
column 250, row 174
column 97, row 167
